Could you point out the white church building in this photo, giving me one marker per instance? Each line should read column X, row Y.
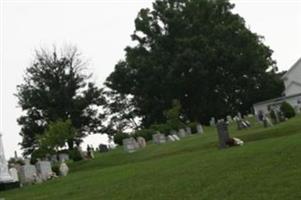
column 292, row 83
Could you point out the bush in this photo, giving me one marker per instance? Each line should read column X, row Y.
column 162, row 128
column 193, row 125
column 56, row 168
column 118, row 137
column 287, row 110
column 75, row 155
column 147, row 134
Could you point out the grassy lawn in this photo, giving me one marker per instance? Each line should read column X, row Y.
column 267, row 167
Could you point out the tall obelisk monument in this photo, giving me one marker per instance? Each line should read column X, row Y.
column 4, row 174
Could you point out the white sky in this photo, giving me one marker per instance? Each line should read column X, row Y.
column 101, row 29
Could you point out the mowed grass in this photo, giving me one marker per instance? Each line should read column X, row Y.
column 268, row 167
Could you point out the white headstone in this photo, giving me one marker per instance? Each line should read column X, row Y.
column 14, row 174
column 199, row 128
column 176, row 137
column 64, row 169
column 188, row 130
column 141, row 141
column 171, row 138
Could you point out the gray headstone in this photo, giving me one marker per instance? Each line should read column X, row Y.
column 229, row 119
column 27, row 173
column 188, row 130
column 182, row 133
column 130, row 145
column 212, row 122
column 159, row 138
column 141, row 141
column 44, row 169
column 63, row 157
column 199, row 128
column 223, row 133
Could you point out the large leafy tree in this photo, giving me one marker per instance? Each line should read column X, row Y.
column 56, row 87
column 196, row 51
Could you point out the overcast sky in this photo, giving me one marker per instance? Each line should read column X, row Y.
column 101, row 29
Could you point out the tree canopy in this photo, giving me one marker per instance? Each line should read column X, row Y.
column 57, row 87
column 199, row 52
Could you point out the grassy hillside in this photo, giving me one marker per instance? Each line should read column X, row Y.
column 267, row 167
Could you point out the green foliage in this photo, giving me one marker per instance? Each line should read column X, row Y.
column 119, row 137
column 192, row 50
column 56, row 136
column 162, row 128
column 56, row 87
column 173, row 116
column 288, row 110
column 147, row 134
column 75, row 154
column 193, row 125
column 56, row 168
column 273, row 116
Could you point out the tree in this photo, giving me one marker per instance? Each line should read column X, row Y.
column 57, row 88
column 287, row 110
column 196, row 51
column 55, row 136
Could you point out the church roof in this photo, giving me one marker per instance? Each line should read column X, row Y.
column 279, row 99
column 292, row 68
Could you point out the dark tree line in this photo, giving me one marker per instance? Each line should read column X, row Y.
column 195, row 51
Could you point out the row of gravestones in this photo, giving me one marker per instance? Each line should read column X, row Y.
column 130, row 145
column 41, row 171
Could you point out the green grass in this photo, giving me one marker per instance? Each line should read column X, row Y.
column 267, row 167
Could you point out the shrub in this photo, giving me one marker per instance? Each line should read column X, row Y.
column 192, row 125
column 162, row 128
column 56, row 168
column 75, row 155
column 273, row 116
column 287, row 110
column 118, row 137
column 147, row 134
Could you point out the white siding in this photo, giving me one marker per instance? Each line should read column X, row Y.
column 294, row 75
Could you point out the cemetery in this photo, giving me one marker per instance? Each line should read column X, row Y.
column 190, row 104
column 194, row 160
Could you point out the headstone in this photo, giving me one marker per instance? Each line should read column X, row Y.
column 239, row 115
column 188, row 130
column 14, row 174
column 103, row 148
column 182, row 133
column 64, row 169
column 229, row 119
column 199, row 128
column 223, row 133
column 239, row 124
column 53, row 159
column 129, row 145
column 159, row 138
column 212, row 122
column 27, row 173
column 173, row 132
column 170, row 138
column 176, row 137
column 44, row 170
column 141, row 141
column 63, row 157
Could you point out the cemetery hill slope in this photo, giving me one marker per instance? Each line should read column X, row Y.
column 268, row 166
